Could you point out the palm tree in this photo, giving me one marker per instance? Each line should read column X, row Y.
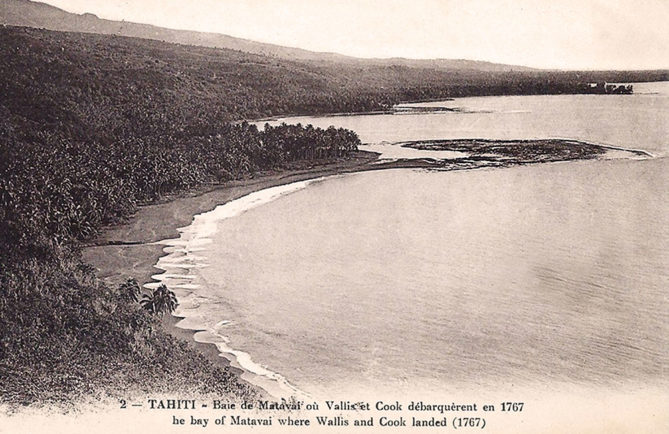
column 160, row 301
column 130, row 290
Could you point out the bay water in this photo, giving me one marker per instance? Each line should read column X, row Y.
column 530, row 279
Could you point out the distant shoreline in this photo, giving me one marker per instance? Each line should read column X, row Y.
column 131, row 249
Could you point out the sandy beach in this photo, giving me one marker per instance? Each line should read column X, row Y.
column 128, row 250
column 131, row 249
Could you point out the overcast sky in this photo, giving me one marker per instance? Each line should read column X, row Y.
column 566, row 34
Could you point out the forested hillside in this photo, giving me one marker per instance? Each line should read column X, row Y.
column 160, row 83
column 89, row 129
column 91, row 126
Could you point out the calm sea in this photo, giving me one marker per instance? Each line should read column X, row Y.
column 415, row 283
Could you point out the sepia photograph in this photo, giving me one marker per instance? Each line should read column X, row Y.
column 372, row 216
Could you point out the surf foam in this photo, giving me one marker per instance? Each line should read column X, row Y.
column 178, row 265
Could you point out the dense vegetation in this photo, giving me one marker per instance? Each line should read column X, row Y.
column 78, row 153
column 92, row 126
column 56, row 189
column 66, row 336
column 97, row 83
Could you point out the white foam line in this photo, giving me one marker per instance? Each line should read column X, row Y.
column 181, row 265
column 244, row 360
column 164, row 276
column 191, row 239
column 185, row 286
column 188, row 250
column 182, row 259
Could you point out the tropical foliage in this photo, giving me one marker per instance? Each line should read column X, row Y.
column 65, row 336
column 91, row 126
column 130, row 291
column 160, row 301
column 54, row 190
column 83, row 142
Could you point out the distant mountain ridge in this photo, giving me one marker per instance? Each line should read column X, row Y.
column 41, row 15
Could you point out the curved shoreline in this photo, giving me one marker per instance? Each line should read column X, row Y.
column 182, row 256
column 134, row 249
